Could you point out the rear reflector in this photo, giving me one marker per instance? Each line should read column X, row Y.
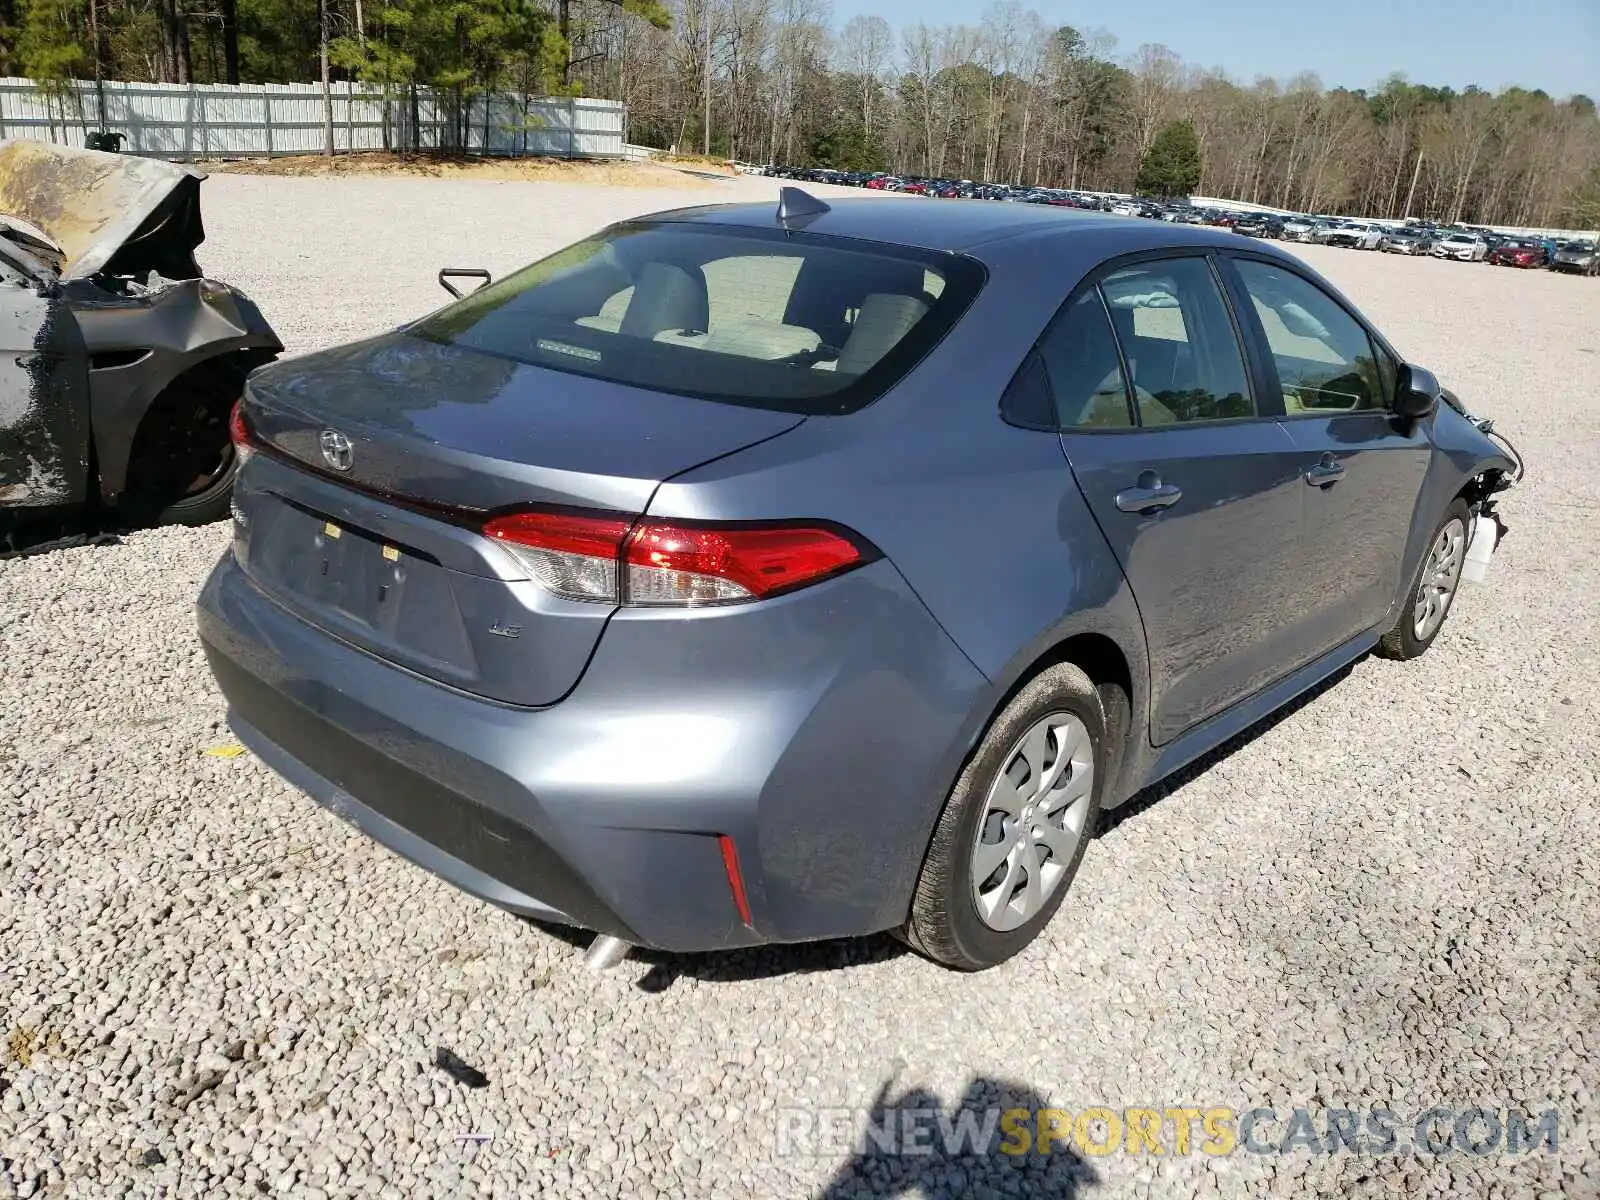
column 730, row 864
column 654, row 562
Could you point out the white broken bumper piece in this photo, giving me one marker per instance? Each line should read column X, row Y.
column 1480, row 549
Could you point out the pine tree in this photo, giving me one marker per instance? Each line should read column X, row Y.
column 1171, row 167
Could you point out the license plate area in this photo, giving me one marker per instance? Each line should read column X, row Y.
column 359, row 576
column 386, row 595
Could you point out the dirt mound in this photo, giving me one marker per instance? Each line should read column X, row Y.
column 550, row 170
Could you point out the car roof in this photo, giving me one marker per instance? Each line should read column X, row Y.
column 935, row 225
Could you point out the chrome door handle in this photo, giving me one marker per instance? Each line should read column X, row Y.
column 1147, row 497
column 1329, row 470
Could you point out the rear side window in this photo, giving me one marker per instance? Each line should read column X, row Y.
column 1085, row 370
column 1178, row 340
column 768, row 319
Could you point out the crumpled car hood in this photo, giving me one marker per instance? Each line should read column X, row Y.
column 113, row 213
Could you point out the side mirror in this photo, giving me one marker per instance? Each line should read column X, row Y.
column 1419, row 393
column 446, row 274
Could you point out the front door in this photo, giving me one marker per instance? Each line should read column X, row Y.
column 1363, row 467
column 1199, row 497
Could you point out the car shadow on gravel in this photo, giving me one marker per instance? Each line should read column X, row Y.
column 22, row 535
column 987, row 1143
column 1150, row 796
column 743, row 966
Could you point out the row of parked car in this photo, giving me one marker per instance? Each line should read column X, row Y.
column 1464, row 243
column 949, row 189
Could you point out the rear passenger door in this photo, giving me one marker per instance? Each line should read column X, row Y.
column 1363, row 468
column 1198, row 492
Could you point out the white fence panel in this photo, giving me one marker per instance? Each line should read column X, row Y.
column 183, row 121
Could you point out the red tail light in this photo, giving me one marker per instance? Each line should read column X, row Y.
column 572, row 555
column 658, row 562
column 239, row 431
column 687, row 564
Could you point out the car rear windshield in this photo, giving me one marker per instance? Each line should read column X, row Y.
column 765, row 318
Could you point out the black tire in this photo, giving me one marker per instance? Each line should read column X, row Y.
column 205, row 507
column 1402, row 642
column 945, row 924
column 182, row 466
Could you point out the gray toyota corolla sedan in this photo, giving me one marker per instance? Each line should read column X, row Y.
column 748, row 574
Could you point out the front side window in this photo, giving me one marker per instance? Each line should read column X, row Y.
column 1183, row 355
column 768, row 319
column 1325, row 360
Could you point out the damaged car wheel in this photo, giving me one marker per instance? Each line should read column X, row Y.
column 182, row 465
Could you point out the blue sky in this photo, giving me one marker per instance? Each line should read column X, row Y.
column 1550, row 44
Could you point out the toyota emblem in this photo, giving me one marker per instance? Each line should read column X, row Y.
column 336, row 450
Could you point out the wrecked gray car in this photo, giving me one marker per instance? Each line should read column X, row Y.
column 119, row 361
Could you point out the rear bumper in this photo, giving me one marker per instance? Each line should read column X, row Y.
column 818, row 731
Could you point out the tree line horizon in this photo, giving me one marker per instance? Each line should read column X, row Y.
column 1012, row 98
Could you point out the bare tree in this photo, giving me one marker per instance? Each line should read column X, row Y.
column 1157, row 77
column 999, row 43
column 865, row 46
column 799, row 45
column 1464, row 133
column 1301, row 105
column 922, row 66
column 1032, row 41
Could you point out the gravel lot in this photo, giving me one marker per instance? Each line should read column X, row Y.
column 1388, row 897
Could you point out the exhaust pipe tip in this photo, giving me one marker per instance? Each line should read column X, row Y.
column 605, row 952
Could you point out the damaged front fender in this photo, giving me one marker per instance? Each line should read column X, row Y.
column 146, row 355
column 139, row 345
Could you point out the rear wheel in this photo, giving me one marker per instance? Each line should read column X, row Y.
column 1434, row 590
column 182, row 465
column 1015, row 826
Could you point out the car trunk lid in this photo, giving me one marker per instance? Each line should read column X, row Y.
column 373, row 534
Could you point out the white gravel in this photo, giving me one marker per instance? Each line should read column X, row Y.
column 209, row 986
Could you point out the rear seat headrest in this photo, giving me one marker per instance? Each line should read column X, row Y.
column 665, row 297
column 883, row 320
